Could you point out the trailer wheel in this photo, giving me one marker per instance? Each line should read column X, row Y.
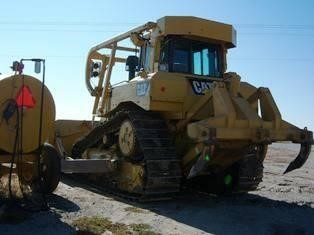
column 50, row 169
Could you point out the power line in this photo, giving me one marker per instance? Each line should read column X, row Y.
column 304, row 30
column 276, row 26
column 230, row 58
column 119, row 31
column 278, row 34
column 274, row 59
column 124, row 23
column 60, row 30
column 66, row 23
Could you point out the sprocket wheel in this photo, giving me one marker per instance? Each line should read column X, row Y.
column 127, row 143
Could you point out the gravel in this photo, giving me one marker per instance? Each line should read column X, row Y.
column 283, row 204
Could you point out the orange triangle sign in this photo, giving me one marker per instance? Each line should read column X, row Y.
column 25, row 98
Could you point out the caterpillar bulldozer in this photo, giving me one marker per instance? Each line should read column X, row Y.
column 177, row 117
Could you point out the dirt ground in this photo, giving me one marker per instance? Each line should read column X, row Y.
column 283, row 204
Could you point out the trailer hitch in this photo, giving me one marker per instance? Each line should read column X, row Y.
column 301, row 158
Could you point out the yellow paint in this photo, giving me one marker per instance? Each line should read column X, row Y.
column 29, row 128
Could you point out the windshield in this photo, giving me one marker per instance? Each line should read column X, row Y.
column 190, row 56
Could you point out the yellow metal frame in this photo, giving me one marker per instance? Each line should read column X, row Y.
column 231, row 114
column 179, row 25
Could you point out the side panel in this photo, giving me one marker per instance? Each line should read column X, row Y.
column 168, row 93
column 136, row 91
column 176, row 94
column 162, row 92
column 171, row 94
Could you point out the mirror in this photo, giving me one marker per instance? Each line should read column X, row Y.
column 37, row 66
column 131, row 65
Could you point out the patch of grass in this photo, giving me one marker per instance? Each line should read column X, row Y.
column 142, row 229
column 96, row 225
column 134, row 210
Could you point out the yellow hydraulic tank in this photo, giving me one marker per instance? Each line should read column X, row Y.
column 26, row 109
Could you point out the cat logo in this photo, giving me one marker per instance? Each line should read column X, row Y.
column 199, row 86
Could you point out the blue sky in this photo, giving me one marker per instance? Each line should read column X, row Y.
column 275, row 44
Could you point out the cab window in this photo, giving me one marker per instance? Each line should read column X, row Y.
column 182, row 55
column 145, row 57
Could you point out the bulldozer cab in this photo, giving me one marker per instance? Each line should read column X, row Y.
column 171, row 45
column 178, row 54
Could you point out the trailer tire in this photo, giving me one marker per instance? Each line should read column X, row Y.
column 50, row 169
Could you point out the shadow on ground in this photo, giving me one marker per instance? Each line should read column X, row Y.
column 16, row 217
column 237, row 214
column 232, row 214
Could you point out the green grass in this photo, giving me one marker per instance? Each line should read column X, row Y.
column 142, row 229
column 96, row 225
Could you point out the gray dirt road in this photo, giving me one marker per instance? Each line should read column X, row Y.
column 283, row 204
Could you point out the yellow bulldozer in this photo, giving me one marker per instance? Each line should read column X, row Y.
column 178, row 118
